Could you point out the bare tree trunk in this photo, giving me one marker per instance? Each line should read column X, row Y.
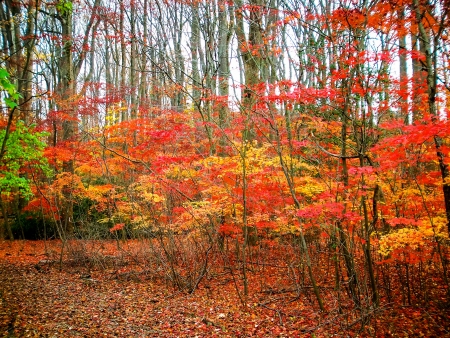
column 431, row 81
column 178, row 99
column 25, row 81
column 418, row 79
column 66, row 89
column 343, row 244
column 250, row 55
column 195, row 46
column 6, row 227
column 224, row 64
column 143, row 86
column 403, row 66
column 67, row 80
column 133, row 59
column 123, row 65
column 108, row 77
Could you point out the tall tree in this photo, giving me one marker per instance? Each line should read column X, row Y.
column 432, row 22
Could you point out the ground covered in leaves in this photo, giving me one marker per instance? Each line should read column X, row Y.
column 43, row 297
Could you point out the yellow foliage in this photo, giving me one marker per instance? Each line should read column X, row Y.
column 88, row 170
column 141, row 222
column 145, row 189
column 400, row 239
column 286, row 228
column 446, row 181
column 67, row 185
column 196, row 214
column 178, row 172
column 413, row 238
column 257, row 158
column 150, row 197
column 200, row 213
column 42, row 56
column 113, row 113
column 97, row 192
column 308, row 186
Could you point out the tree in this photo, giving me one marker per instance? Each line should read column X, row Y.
column 431, row 23
column 21, row 151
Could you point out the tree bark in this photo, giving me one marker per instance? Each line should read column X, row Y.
column 431, row 81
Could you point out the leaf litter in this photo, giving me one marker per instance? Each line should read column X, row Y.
column 40, row 298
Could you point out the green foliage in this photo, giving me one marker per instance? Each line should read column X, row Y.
column 24, row 150
column 64, row 7
column 6, row 85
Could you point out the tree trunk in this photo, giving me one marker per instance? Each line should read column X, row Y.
column 143, row 85
column 224, row 66
column 66, row 89
column 6, row 228
column 403, row 66
column 133, row 72
column 431, row 81
column 123, row 63
column 195, row 45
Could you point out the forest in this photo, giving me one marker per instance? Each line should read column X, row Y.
column 207, row 168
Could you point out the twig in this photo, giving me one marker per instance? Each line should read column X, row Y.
column 279, row 313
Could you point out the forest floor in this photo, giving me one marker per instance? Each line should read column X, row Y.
column 41, row 298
